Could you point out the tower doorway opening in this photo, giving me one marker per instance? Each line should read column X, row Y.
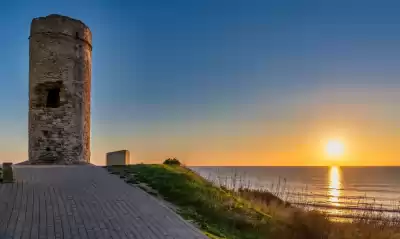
column 53, row 98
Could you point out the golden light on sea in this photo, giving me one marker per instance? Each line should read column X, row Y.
column 335, row 185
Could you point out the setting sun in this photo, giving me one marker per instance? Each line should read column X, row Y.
column 334, row 148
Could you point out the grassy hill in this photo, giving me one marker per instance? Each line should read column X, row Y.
column 222, row 213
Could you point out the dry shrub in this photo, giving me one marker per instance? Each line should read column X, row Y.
column 303, row 223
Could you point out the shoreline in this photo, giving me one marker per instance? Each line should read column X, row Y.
column 222, row 213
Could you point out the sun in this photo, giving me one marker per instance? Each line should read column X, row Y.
column 334, row 148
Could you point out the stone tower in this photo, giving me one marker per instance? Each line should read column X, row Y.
column 60, row 65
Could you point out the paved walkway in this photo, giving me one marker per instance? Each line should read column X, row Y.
column 83, row 202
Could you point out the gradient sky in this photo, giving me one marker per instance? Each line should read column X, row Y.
column 224, row 82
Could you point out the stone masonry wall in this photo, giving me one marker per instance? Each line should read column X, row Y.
column 60, row 59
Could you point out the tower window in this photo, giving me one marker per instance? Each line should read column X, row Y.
column 53, row 98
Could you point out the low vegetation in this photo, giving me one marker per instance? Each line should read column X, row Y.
column 172, row 161
column 247, row 214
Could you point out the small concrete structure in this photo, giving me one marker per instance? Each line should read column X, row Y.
column 121, row 157
column 8, row 175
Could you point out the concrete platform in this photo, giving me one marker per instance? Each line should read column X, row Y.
column 83, row 202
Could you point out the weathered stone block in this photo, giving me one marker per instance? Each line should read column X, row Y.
column 8, row 175
column 121, row 157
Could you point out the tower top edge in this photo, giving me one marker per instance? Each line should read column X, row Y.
column 59, row 17
column 59, row 24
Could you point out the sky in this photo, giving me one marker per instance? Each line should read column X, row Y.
column 224, row 82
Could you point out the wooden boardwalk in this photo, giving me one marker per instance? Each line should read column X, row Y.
column 83, row 202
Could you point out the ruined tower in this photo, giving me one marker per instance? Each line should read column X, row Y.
column 60, row 64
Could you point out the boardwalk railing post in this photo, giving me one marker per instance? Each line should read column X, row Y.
column 8, row 175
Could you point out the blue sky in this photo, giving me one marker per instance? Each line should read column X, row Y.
column 222, row 82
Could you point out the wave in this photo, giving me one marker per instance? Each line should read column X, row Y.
column 352, row 208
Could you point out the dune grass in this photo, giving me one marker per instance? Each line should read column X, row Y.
column 222, row 213
column 217, row 212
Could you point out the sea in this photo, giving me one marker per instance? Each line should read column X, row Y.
column 340, row 192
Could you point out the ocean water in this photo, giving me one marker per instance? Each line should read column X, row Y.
column 342, row 192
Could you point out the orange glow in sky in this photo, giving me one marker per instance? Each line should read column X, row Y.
column 231, row 84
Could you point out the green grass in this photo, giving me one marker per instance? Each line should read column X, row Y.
column 217, row 212
column 221, row 213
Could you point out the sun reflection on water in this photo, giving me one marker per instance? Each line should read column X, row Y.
column 335, row 185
